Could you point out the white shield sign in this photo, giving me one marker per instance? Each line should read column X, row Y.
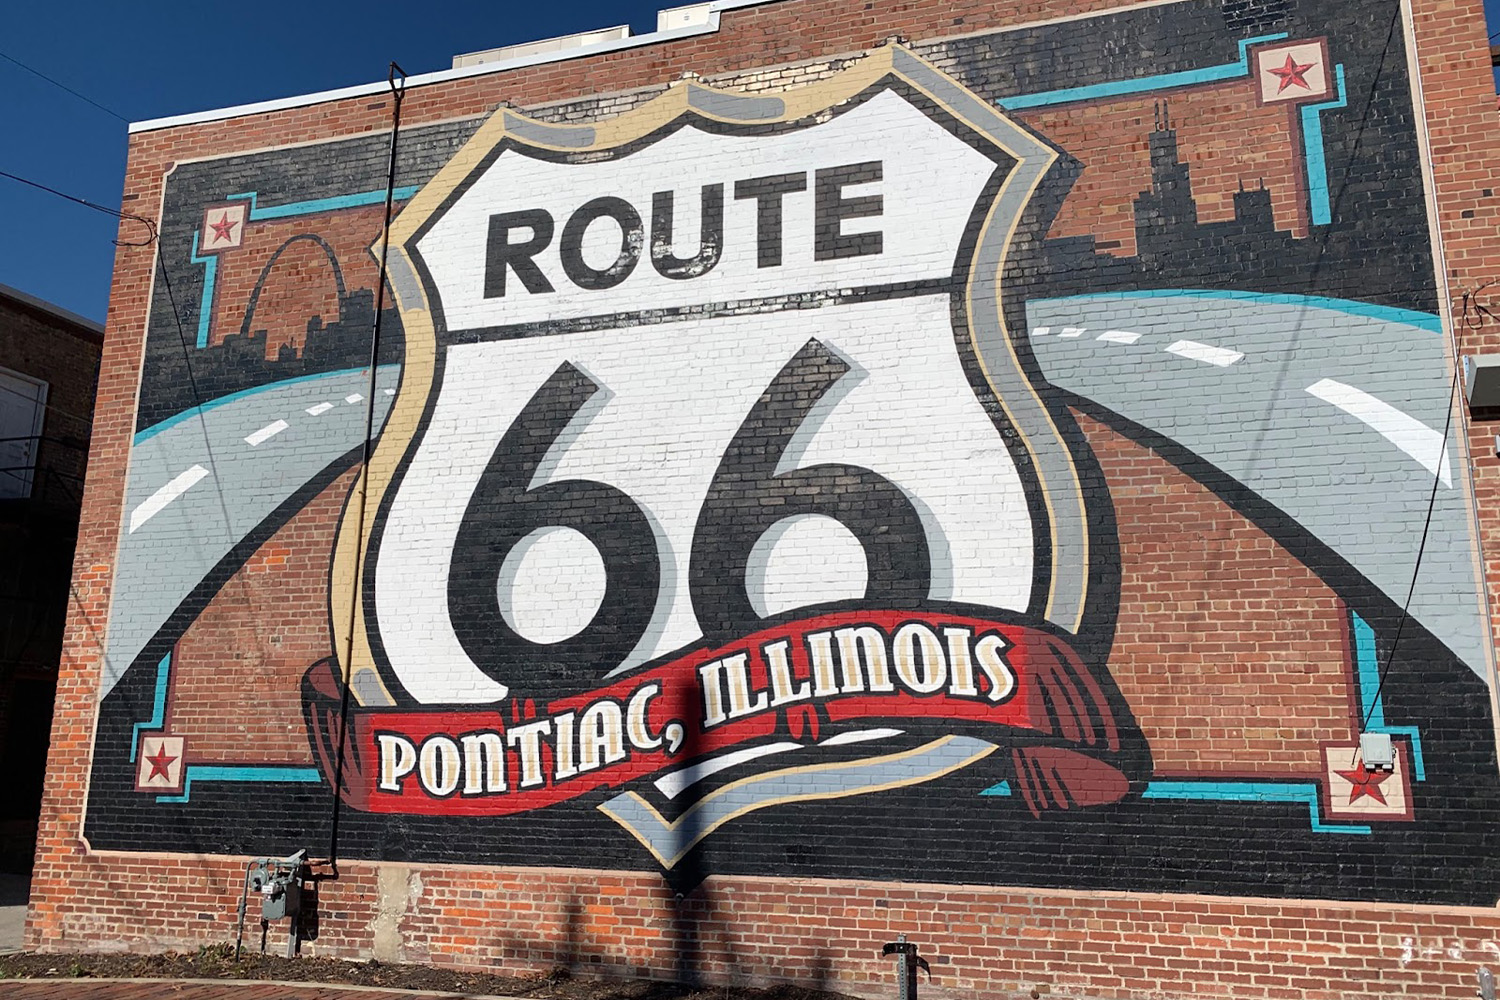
column 710, row 446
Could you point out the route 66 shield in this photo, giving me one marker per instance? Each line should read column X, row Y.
column 714, row 480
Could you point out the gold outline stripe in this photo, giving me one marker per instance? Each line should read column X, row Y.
column 755, row 779
column 419, row 363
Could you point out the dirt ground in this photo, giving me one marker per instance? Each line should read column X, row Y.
column 217, row 962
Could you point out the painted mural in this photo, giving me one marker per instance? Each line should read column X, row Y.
column 970, row 465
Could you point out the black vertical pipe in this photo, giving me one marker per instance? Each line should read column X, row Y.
column 398, row 93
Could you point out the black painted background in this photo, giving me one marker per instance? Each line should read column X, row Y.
column 1375, row 250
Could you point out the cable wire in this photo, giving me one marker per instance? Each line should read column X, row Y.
column 1437, row 478
column 250, row 595
column 63, row 86
column 398, row 94
column 48, row 406
column 150, row 226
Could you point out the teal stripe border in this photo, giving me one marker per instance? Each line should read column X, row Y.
column 213, row 404
column 219, row 772
column 257, row 213
column 158, row 704
column 1144, row 84
column 210, row 278
column 211, row 261
column 1372, row 706
column 1368, row 677
column 1315, row 157
column 1251, row 791
column 1233, row 791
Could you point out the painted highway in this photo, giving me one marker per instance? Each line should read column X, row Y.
column 1311, row 404
column 203, row 480
column 1305, row 404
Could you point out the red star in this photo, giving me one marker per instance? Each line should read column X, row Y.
column 162, row 763
column 1292, row 72
column 224, row 228
column 1364, row 783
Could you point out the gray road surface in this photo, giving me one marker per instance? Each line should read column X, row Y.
column 201, row 484
column 14, row 892
column 1335, row 418
column 1310, row 407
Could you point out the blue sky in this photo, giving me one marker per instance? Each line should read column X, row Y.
column 150, row 59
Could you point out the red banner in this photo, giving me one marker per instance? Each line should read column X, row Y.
column 845, row 667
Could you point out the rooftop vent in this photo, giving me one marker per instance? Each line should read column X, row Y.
column 546, row 45
column 682, row 17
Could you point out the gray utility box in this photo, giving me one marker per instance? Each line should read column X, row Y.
column 1482, row 380
column 280, row 898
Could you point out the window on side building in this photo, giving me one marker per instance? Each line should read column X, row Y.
column 23, row 402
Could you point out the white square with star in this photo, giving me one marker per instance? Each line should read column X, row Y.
column 223, row 227
column 159, row 763
column 1354, row 792
column 1296, row 71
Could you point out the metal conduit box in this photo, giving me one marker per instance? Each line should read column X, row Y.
column 1482, row 380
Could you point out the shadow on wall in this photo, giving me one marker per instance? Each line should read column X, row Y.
column 700, row 949
column 15, row 890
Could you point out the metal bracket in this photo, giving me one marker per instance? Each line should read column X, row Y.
column 907, row 964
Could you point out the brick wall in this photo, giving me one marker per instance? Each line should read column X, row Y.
column 37, row 535
column 65, row 354
column 1189, row 431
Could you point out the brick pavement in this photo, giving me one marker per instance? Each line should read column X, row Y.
column 200, row 989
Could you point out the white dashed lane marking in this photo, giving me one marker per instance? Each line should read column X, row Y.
column 154, row 504
column 353, row 398
column 1401, row 429
column 1206, row 353
column 321, row 408
column 861, row 736
column 674, row 784
column 266, row 433
column 389, row 392
column 1192, row 350
column 1406, row 432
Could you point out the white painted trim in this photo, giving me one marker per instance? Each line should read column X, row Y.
column 582, row 52
column 675, row 783
column 442, row 76
column 1461, row 442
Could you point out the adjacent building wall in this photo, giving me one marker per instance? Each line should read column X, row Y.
column 55, row 350
column 943, row 469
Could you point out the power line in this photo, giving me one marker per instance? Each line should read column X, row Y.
column 150, row 226
column 208, row 448
column 152, row 237
column 1437, row 474
column 63, row 86
column 48, row 406
column 1437, row 477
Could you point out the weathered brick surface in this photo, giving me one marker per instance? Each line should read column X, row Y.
column 1226, row 626
column 37, row 535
